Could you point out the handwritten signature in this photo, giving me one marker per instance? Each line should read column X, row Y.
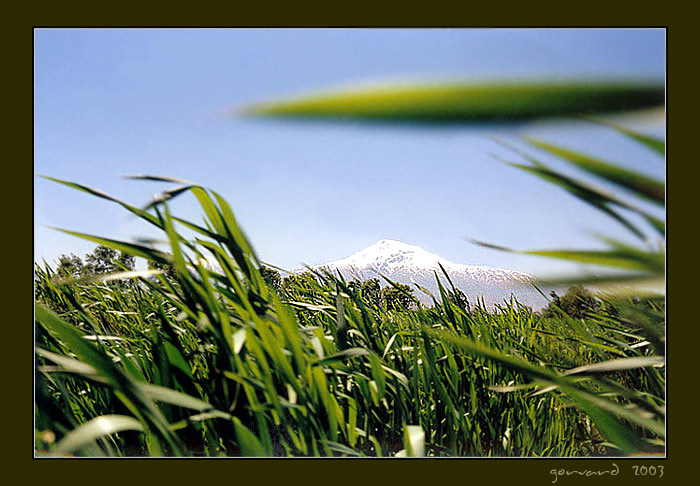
column 585, row 472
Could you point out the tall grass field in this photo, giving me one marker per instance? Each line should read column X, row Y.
column 201, row 356
column 210, row 362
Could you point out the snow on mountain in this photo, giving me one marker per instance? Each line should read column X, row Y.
column 409, row 264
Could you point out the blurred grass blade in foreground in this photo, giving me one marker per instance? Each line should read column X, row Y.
column 638, row 184
column 656, row 144
column 454, row 101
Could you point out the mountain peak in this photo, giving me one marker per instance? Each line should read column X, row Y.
column 389, row 245
column 388, row 241
column 409, row 264
column 387, row 254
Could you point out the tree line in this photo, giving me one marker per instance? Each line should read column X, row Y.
column 577, row 302
column 102, row 260
column 370, row 290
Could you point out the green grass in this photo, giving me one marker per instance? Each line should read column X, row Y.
column 458, row 102
column 215, row 363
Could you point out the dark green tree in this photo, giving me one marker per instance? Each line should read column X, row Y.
column 458, row 298
column 104, row 260
column 576, row 303
column 126, row 262
column 369, row 290
column 101, row 260
column 70, row 265
column 397, row 298
column 272, row 277
column 167, row 269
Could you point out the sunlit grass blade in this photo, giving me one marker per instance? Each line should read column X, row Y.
column 70, row 364
column 592, row 195
column 342, row 356
column 614, row 258
column 133, row 209
column 617, row 257
column 94, row 429
column 617, row 365
column 122, row 246
column 173, row 397
column 156, row 178
column 414, row 441
column 167, row 195
column 585, row 192
column 658, row 224
column 111, row 277
column 467, row 101
column 606, row 367
column 656, row 144
column 639, row 184
column 342, row 449
column 617, row 284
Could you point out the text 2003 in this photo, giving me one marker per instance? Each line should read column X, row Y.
column 648, row 471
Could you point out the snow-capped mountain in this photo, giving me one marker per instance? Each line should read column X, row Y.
column 409, row 264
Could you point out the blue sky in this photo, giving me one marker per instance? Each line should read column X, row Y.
column 111, row 102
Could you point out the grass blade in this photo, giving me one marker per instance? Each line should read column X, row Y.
column 95, row 429
column 173, row 397
column 585, row 192
column 122, row 246
column 617, row 365
column 656, row 144
column 133, row 209
column 342, row 356
column 248, row 442
column 414, row 441
column 639, row 184
column 455, row 102
column 616, row 257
